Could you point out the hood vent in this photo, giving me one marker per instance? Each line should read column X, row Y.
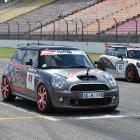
column 85, row 77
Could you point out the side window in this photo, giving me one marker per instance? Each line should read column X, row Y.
column 31, row 55
column 18, row 56
column 122, row 52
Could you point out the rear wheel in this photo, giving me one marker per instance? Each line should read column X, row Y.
column 100, row 67
column 130, row 74
column 6, row 90
column 43, row 99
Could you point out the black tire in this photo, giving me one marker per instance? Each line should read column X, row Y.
column 100, row 67
column 44, row 103
column 130, row 74
column 6, row 90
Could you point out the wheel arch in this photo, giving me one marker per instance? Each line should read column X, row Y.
column 135, row 69
column 99, row 62
column 47, row 85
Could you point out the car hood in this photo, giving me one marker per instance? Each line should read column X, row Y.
column 75, row 74
column 136, row 59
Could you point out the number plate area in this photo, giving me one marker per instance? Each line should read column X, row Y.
column 92, row 95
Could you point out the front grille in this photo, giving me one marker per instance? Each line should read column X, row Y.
column 90, row 102
column 89, row 87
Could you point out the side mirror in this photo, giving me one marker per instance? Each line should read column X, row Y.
column 120, row 56
column 97, row 62
column 30, row 62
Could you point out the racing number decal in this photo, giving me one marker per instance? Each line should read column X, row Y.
column 120, row 67
column 30, row 80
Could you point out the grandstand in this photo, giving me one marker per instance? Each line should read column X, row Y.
column 72, row 20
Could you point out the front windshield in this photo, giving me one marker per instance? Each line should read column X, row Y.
column 133, row 53
column 75, row 59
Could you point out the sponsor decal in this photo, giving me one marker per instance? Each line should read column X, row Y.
column 30, row 81
column 73, row 74
column 128, row 49
column 64, row 51
column 22, row 90
column 107, row 62
column 120, row 65
column 47, row 52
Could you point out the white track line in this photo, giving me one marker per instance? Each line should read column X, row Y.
column 17, row 108
column 75, row 118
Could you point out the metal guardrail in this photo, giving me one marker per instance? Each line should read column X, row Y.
column 115, row 35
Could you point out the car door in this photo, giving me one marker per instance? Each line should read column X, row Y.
column 29, row 72
column 119, row 63
column 17, row 81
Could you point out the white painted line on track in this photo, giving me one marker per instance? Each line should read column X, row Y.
column 129, row 115
column 19, row 109
column 52, row 119
column 108, row 117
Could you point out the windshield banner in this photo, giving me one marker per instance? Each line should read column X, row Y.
column 57, row 52
column 128, row 49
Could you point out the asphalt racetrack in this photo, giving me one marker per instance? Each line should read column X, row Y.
column 21, row 120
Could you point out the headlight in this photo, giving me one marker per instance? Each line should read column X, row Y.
column 111, row 80
column 138, row 64
column 58, row 82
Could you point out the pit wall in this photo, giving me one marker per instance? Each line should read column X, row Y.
column 88, row 47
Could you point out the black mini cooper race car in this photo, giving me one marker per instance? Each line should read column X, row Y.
column 58, row 77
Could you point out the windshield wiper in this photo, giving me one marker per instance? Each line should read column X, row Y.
column 78, row 66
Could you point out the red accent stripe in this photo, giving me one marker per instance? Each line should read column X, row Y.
column 22, row 90
column 14, row 64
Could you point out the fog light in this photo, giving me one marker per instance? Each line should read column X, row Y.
column 60, row 99
column 113, row 98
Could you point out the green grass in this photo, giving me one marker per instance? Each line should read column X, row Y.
column 93, row 56
column 8, row 53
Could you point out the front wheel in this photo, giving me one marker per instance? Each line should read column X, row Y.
column 130, row 74
column 6, row 90
column 43, row 99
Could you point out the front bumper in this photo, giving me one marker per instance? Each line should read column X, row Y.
column 71, row 101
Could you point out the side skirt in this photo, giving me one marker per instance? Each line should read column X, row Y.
column 23, row 96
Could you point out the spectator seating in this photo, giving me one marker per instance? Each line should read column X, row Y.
column 75, row 12
column 104, row 13
column 44, row 14
column 8, row 4
column 21, row 8
column 126, row 28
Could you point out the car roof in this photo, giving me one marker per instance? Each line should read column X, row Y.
column 121, row 45
column 39, row 47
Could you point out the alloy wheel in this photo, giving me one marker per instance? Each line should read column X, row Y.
column 41, row 97
column 5, row 87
